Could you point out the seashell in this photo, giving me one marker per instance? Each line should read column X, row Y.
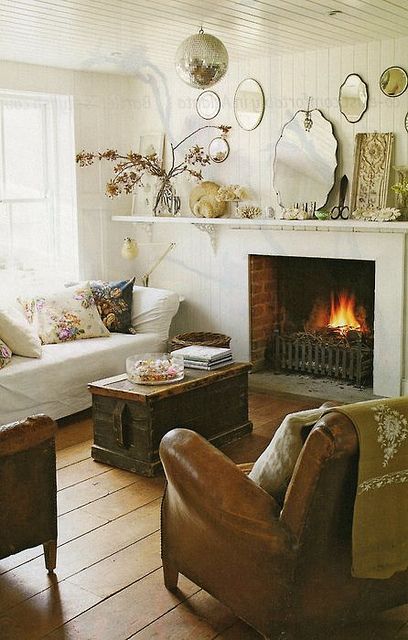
column 203, row 202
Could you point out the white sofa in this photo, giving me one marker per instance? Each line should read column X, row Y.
column 56, row 383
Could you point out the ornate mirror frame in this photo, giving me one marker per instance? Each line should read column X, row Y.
column 372, row 164
column 385, row 79
column 202, row 98
column 363, row 97
column 260, row 111
column 218, row 149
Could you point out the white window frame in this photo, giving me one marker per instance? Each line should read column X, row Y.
column 62, row 250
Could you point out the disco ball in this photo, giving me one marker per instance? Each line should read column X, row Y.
column 201, row 60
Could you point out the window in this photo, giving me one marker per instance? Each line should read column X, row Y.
column 38, row 222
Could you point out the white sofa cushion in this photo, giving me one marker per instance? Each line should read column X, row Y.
column 18, row 334
column 153, row 310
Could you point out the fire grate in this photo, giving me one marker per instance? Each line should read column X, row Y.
column 309, row 353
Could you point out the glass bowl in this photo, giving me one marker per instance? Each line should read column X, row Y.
column 155, row 368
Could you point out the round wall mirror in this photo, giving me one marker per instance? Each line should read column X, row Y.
column 406, row 122
column 305, row 161
column 393, row 81
column 249, row 104
column 218, row 149
column 208, row 105
column 353, row 98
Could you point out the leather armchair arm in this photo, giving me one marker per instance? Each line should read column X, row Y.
column 25, row 434
column 222, row 531
column 206, row 481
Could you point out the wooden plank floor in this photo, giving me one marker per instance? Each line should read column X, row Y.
column 108, row 584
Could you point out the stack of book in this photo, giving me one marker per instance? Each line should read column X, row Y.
column 209, row 358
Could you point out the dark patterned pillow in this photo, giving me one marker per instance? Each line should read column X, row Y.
column 114, row 303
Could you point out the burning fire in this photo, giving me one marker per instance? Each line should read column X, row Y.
column 343, row 313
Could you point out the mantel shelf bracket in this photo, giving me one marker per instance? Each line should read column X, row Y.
column 210, row 229
column 148, row 229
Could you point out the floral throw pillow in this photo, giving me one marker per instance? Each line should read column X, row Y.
column 5, row 354
column 114, row 303
column 69, row 314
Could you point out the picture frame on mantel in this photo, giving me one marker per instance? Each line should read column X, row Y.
column 142, row 199
column 372, row 165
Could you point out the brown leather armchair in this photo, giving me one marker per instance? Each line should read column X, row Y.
column 28, row 491
column 276, row 568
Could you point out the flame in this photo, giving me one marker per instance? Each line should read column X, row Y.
column 342, row 312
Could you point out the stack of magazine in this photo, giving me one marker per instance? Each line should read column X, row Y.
column 209, row 358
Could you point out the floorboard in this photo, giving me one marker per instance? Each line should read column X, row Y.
column 108, row 584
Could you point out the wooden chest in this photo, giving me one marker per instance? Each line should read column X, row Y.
column 130, row 420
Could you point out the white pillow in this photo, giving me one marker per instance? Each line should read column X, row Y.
column 68, row 314
column 18, row 334
column 274, row 467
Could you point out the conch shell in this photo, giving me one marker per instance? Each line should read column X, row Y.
column 203, row 203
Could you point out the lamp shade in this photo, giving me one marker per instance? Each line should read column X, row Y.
column 129, row 249
column 201, row 60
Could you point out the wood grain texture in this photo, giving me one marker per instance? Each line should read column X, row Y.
column 109, row 585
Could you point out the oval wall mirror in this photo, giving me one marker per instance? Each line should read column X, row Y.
column 406, row 122
column 353, row 97
column 218, row 149
column 208, row 105
column 249, row 104
column 305, row 161
column 393, row 81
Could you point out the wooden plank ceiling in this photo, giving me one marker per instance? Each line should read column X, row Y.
column 110, row 35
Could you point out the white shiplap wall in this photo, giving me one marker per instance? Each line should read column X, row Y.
column 214, row 299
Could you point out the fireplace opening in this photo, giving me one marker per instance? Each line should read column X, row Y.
column 313, row 316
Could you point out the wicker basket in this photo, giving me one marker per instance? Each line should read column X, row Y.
column 201, row 338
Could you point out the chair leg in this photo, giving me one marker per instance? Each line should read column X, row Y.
column 170, row 575
column 50, row 555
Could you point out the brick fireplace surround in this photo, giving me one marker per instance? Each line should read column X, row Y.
column 385, row 244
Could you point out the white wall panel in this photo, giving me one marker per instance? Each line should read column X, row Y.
column 215, row 285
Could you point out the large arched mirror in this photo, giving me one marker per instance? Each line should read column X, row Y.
column 353, row 97
column 249, row 104
column 305, row 161
column 393, row 81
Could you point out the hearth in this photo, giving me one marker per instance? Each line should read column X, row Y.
column 313, row 316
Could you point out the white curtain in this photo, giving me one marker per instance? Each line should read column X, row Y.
column 38, row 219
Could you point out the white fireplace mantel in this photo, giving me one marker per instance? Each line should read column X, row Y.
column 383, row 243
column 274, row 224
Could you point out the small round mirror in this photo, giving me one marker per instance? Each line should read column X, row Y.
column 353, row 98
column 393, row 81
column 218, row 149
column 208, row 105
column 249, row 104
column 406, row 122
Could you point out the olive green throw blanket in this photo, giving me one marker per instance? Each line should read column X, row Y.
column 380, row 522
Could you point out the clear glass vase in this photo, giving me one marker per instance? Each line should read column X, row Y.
column 166, row 201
